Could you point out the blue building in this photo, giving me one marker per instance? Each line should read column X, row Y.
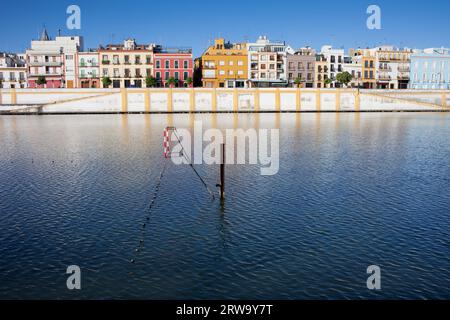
column 430, row 69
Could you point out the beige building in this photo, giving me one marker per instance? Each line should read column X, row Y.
column 126, row 65
column 321, row 74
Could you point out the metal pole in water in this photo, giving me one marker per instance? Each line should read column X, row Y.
column 222, row 174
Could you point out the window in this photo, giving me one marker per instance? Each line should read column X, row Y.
column 222, row 72
column 158, row 75
column 158, row 64
column 240, row 63
column 177, row 64
column 231, row 63
column 167, row 75
column 231, row 72
column 105, row 72
column 177, row 75
column 186, row 64
column 69, row 57
column 148, row 59
column 185, row 75
column 167, row 64
column 240, row 72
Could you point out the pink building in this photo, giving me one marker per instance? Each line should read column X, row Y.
column 173, row 63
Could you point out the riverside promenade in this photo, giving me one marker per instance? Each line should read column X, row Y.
column 205, row 100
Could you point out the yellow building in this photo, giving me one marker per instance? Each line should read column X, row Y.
column 225, row 65
column 368, row 69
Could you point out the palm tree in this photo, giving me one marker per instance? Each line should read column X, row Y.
column 188, row 81
column 172, row 82
column 298, row 81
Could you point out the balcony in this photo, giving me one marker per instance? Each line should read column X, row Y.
column 106, row 62
column 384, row 78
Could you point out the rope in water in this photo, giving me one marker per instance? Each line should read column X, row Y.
column 183, row 152
column 156, row 192
column 149, row 212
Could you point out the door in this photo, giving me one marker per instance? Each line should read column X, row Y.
column 69, row 84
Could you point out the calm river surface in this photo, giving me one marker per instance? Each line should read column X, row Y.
column 353, row 190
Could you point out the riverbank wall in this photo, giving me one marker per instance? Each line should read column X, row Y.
column 196, row 100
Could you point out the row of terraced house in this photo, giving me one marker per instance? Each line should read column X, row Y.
column 63, row 63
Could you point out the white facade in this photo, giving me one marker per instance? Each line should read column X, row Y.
column 54, row 60
column 88, row 68
column 267, row 62
column 13, row 71
column 393, row 67
column 353, row 65
column 335, row 61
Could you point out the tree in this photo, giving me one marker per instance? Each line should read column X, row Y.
column 328, row 81
column 298, row 81
column 150, row 82
column 172, row 82
column 106, row 82
column 188, row 81
column 344, row 77
column 41, row 81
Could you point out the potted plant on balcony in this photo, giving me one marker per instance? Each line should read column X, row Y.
column 106, row 81
column 41, row 81
column 150, row 82
column 172, row 82
column 188, row 81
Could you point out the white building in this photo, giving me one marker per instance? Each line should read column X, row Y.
column 393, row 67
column 335, row 61
column 53, row 61
column 267, row 63
column 353, row 65
column 13, row 71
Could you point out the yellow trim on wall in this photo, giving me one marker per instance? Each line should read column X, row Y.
column 256, row 101
column 192, row 100
column 147, row 100
column 357, row 101
column 214, row 100
column 124, row 95
column 278, row 100
column 170, row 100
column 318, row 100
column 235, row 100
column 338, row 100
column 13, row 96
column 299, row 100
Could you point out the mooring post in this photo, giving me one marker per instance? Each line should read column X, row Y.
column 222, row 174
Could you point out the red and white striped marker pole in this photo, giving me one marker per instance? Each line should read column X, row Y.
column 166, row 143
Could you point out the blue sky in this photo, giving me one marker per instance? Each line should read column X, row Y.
column 416, row 24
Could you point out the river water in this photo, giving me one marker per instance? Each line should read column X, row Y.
column 353, row 190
